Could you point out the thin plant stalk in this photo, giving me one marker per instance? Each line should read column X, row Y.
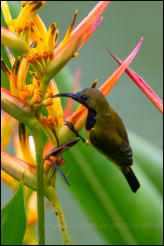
column 40, row 187
column 53, row 198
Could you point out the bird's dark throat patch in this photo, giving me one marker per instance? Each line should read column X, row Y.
column 91, row 119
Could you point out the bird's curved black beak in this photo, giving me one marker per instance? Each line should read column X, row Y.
column 72, row 95
column 75, row 96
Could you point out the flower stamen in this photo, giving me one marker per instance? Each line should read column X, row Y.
column 13, row 77
column 51, row 37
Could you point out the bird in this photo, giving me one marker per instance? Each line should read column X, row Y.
column 105, row 131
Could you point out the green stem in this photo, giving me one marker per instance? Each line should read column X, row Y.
column 40, row 186
column 52, row 196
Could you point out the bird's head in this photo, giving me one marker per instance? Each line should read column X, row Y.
column 90, row 97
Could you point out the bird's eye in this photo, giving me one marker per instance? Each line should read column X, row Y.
column 84, row 97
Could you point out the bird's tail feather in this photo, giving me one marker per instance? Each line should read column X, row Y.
column 131, row 178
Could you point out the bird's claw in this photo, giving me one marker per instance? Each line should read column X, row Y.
column 69, row 124
column 72, row 128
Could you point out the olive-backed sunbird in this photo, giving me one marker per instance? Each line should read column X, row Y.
column 106, row 131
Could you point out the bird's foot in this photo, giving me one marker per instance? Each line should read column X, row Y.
column 72, row 128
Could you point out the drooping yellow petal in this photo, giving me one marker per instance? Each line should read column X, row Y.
column 24, row 144
column 51, row 37
column 13, row 77
column 55, row 110
column 36, row 37
column 40, row 26
column 7, row 16
column 23, row 69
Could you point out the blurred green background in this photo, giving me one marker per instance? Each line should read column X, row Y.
column 123, row 25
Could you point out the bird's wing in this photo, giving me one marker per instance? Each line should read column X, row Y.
column 113, row 146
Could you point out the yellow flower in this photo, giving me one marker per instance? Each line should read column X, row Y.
column 29, row 34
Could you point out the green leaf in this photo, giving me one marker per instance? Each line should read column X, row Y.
column 120, row 215
column 13, row 219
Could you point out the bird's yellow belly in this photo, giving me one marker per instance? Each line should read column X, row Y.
column 88, row 136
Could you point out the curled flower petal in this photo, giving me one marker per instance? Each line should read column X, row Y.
column 142, row 85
